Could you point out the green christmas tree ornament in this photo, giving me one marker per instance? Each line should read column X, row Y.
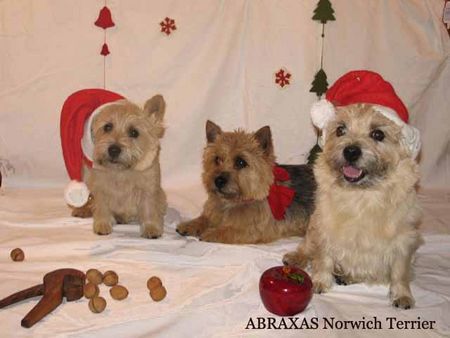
column 320, row 83
column 324, row 12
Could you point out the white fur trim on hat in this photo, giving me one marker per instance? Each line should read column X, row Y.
column 87, row 141
column 76, row 194
column 322, row 112
column 411, row 135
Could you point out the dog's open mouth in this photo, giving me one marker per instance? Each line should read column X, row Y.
column 352, row 174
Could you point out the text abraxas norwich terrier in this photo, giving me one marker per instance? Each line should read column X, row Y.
column 125, row 180
column 241, row 178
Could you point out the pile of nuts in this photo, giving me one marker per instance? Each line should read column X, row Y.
column 157, row 290
column 118, row 292
column 91, row 291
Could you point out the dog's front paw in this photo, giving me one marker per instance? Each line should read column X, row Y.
column 191, row 228
column 102, row 228
column 343, row 280
column 295, row 259
column 151, row 231
column 83, row 212
column 320, row 287
column 322, row 281
column 403, row 302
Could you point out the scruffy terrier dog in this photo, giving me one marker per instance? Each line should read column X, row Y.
column 125, row 180
column 364, row 228
column 240, row 178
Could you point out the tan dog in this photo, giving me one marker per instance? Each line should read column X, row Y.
column 238, row 175
column 364, row 228
column 125, row 181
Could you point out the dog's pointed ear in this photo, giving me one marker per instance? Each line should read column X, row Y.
column 157, row 106
column 264, row 138
column 212, row 131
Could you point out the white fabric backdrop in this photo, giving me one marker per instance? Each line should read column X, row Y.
column 219, row 64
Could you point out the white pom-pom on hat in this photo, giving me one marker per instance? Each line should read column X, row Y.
column 76, row 194
column 322, row 112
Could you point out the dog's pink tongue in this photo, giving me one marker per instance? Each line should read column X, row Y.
column 351, row 172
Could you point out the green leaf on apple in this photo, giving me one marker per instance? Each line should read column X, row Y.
column 297, row 277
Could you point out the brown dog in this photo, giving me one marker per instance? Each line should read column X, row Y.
column 239, row 177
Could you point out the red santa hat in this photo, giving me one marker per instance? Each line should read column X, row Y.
column 76, row 139
column 362, row 86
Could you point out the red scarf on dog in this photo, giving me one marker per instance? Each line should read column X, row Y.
column 280, row 197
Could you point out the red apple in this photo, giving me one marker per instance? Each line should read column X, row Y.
column 285, row 291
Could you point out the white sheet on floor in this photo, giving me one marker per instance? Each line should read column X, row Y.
column 212, row 288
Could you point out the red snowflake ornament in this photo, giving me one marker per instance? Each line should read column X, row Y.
column 282, row 77
column 104, row 18
column 167, row 25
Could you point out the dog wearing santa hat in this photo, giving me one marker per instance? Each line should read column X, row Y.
column 364, row 227
column 111, row 150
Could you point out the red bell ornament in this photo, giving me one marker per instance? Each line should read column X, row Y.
column 104, row 18
column 105, row 50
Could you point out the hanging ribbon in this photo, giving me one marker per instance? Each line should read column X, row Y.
column 323, row 13
column 104, row 21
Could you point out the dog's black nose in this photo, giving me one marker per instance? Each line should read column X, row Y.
column 221, row 181
column 114, row 151
column 352, row 153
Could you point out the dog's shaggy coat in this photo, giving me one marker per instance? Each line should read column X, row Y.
column 127, row 187
column 365, row 230
column 238, row 212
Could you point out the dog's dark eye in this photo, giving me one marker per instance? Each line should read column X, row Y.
column 240, row 163
column 340, row 131
column 107, row 127
column 217, row 160
column 133, row 133
column 377, row 135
